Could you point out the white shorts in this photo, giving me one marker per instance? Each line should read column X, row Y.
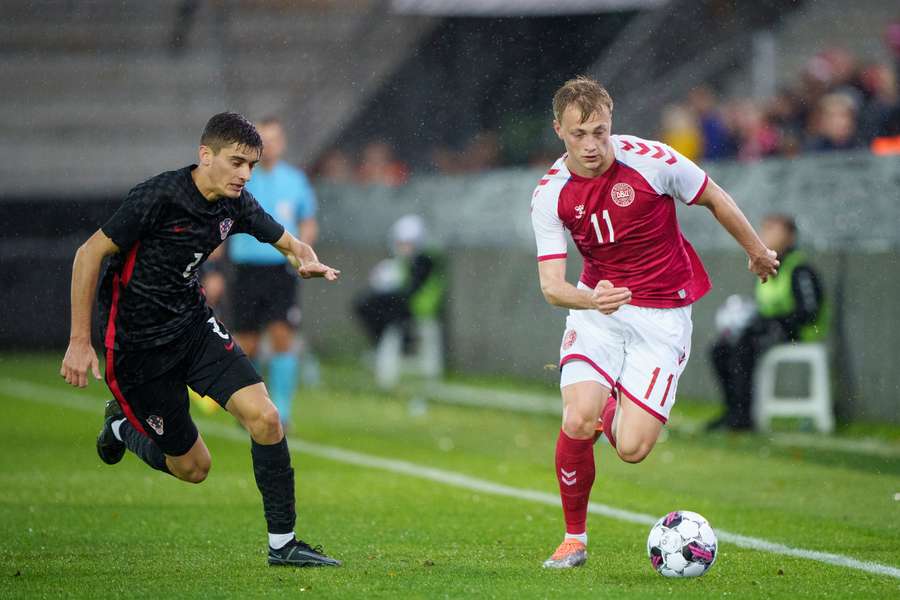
column 637, row 352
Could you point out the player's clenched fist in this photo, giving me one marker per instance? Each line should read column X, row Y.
column 765, row 265
column 607, row 298
column 78, row 359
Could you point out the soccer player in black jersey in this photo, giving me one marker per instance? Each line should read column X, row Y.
column 160, row 336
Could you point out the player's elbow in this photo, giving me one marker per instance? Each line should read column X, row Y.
column 551, row 292
column 84, row 253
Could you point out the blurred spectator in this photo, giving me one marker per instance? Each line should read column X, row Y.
column 335, row 167
column 881, row 111
column 833, row 124
column 789, row 307
column 786, row 116
column 483, row 152
column 681, row 130
column 380, row 167
column 756, row 136
column 717, row 141
column 411, row 284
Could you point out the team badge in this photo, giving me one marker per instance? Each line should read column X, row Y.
column 225, row 227
column 156, row 423
column 579, row 211
column 569, row 339
column 622, row 194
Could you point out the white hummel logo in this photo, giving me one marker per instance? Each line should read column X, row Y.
column 579, row 211
column 567, row 477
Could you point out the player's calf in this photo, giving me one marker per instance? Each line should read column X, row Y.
column 192, row 467
column 633, row 452
column 636, row 432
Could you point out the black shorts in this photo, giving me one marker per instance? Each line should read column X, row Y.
column 261, row 294
column 151, row 385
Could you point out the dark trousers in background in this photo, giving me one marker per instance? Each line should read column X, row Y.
column 734, row 362
column 378, row 311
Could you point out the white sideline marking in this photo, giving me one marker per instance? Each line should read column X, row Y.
column 467, row 395
column 69, row 399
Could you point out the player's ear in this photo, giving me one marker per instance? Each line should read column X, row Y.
column 557, row 128
column 206, row 154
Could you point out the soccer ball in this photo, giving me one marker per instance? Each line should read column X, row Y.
column 682, row 544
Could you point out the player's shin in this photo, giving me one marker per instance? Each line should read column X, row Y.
column 141, row 445
column 575, row 473
column 275, row 480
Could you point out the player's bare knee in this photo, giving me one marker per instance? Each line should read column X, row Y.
column 579, row 425
column 266, row 428
column 196, row 475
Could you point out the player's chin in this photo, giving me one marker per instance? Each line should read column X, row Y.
column 233, row 191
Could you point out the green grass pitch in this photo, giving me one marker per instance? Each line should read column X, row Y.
column 71, row 526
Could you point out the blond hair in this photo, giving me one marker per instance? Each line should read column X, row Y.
column 584, row 92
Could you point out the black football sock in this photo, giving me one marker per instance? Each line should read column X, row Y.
column 144, row 447
column 275, row 480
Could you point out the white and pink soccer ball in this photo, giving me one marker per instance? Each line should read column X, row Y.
column 682, row 544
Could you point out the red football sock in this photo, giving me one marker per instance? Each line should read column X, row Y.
column 575, row 472
column 607, row 416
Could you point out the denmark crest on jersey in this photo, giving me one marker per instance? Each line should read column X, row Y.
column 569, row 339
column 225, row 227
column 622, row 194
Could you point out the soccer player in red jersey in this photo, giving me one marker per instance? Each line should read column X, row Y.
column 628, row 333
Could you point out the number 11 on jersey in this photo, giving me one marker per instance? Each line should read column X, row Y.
column 609, row 226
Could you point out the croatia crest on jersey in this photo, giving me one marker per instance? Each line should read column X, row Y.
column 225, row 227
column 156, row 423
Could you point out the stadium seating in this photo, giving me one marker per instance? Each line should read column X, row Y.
column 118, row 93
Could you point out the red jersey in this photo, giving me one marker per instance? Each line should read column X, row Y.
column 623, row 222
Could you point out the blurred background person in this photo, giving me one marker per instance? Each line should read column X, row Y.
column 681, row 130
column 264, row 295
column 833, row 124
column 379, row 166
column 789, row 307
column 335, row 167
column 409, row 285
column 717, row 142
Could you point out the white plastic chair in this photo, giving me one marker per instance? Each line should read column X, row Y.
column 816, row 406
column 428, row 361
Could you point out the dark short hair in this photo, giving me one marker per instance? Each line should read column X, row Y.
column 228, row 128
column 785, row 220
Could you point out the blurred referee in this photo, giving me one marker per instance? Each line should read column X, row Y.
column 264, row 293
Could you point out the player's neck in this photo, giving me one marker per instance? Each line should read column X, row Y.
column 204, row 185
column 577, row 168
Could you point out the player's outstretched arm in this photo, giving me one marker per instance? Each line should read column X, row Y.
column 80, row 356
column 762, row 261
column 303, row 258
column 557, row 291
